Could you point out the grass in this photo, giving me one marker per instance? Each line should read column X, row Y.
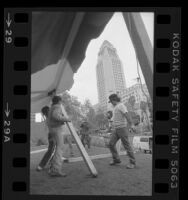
column 111, row 180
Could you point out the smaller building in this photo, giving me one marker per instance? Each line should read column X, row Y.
column 141, row 94
column 136, row 91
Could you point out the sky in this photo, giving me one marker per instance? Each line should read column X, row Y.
column 85, row 82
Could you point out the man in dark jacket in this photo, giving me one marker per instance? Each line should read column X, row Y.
column 85, row 134
column 51, row 143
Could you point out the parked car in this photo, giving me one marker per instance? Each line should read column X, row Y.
column 143, row 143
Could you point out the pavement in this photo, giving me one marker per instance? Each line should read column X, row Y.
column 111, row 180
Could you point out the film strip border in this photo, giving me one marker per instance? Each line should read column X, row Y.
column 16, row 93
column 166, row 104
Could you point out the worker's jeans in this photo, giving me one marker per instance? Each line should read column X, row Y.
column 86, row 139
column 48, row 155
column 56, row 162
column 121, row 133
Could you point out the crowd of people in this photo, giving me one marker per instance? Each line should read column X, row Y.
column 58, row 135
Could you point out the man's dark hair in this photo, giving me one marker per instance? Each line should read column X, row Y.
column 45, row 110
column 56, row 99
column 114, row 97
column 85, row 124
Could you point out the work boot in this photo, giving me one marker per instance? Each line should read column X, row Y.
column 115, row 162
column 130, row 166
column 39, row 168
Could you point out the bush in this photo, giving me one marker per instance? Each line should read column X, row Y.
column 97, row 141
column 41, row 142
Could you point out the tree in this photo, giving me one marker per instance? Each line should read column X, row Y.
column 89, row 112
column 66, row 98
column 101, row 119
column 143, row 107
column 132, row 101
column 86, row 107
column 131, row 110
column 73, row 108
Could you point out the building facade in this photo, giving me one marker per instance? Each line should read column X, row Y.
column 136, row 91
column 140, row 94
column 110, row 75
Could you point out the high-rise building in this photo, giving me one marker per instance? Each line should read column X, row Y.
column 110, row 74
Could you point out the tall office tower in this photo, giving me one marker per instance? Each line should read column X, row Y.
column 110, row 74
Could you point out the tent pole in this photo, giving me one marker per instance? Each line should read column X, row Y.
column 142, row 45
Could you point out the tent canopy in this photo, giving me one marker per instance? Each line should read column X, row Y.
column 59, row 43
column 50, row 31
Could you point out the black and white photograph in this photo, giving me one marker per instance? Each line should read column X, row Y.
column 91, row 112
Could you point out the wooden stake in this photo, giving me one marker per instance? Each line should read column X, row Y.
column 84, row 154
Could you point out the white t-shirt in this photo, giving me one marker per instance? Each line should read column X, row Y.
column 119, row 119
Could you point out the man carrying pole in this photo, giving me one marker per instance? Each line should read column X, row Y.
column 85, row 134
column 56, row 122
